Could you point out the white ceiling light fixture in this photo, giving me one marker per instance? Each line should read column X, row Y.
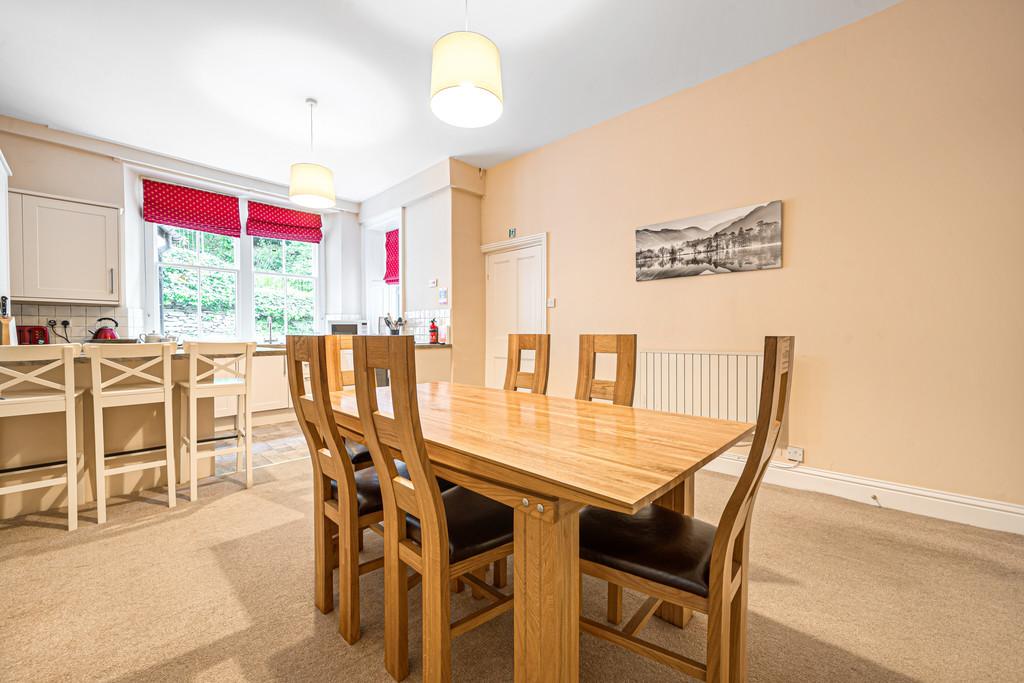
column 312, row 185
column 465, row 79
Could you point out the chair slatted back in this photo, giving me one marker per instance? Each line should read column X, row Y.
column 232, row 359
column 400, row 436
column 337, row 377
column 732, row 537
column 316, row 416
column 42, row 369
column 620, row 390
column 146, row 366
column 515, row 378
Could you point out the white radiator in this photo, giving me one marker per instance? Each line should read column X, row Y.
column 709, row 384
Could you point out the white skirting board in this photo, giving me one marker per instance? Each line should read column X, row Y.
column 980, row 512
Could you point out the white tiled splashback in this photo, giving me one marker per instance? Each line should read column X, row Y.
column 418, row 323
column 82, row 318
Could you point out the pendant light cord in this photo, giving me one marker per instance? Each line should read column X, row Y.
column 466, row 14
column 312, row 104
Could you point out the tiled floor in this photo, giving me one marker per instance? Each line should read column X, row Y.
column 272, row 444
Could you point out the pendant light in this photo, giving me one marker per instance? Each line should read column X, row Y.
column 465, row 79
column 312, row 185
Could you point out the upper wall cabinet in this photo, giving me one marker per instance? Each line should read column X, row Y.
column 63, row 251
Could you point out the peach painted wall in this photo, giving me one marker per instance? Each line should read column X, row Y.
column 897, row 147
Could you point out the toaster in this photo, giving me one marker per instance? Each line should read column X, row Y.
column 33, row 334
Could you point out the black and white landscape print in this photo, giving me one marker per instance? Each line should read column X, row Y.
column 722, row 242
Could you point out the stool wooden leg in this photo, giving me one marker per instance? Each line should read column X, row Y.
column 248, row 441
column 172, row 477
column 481, row 574
column 98, row 453
column 396, row 607
column 72, row 456
column 239, row 440
column 500, row 579
column 437, row 645
column 183, row 432
column 614, row 603
column 324, row 557
column 193, row 448
column 348, row 576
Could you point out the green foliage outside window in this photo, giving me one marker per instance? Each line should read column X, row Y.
column 198, row 280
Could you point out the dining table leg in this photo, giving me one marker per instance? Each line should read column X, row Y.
column 679, row 499
column 547, row 594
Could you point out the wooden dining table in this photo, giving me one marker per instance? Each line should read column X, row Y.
column 547, row 457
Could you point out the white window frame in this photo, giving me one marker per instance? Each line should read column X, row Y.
column 318, row 314
column 245, row 307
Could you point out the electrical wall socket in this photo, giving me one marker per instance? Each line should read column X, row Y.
column 795, row 453
column 551, row 302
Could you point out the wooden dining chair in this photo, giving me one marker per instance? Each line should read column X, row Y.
column 338, row 379
column 683, row 561
column 619, row 390
column 346, row 495
column 515, row 378
column 441, row 536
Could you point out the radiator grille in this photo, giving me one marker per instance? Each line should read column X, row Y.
column 710, row 384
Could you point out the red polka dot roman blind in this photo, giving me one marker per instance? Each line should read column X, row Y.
column 185, row 207
column 282, row 224
column 391, row 257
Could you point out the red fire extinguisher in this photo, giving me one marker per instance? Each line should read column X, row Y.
column 433, row 330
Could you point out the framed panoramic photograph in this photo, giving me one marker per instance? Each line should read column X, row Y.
column 748, row 238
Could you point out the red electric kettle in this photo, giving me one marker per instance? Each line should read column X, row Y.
column 105, row 332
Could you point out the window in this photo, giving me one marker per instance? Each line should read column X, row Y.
column 197, row 280
column 284, row 288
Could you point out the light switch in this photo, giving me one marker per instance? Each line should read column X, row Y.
column 551, row 302
column 433, row 282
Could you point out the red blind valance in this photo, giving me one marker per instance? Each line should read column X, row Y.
column 282, row 224
column 391, row 252
column 185, row 207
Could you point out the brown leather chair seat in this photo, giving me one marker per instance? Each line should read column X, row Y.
column 368, row 496
column 358, row 453
column 656, row 543
column 476, row 523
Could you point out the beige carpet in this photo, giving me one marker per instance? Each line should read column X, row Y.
column 221, row 590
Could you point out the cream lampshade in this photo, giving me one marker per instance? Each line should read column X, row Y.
column 465, row 80
column 312, row 186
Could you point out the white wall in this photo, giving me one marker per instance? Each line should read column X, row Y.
column 427, row 241
column 342, row 283
column 5, row 250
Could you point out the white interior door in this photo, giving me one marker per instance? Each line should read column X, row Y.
column 515, row 303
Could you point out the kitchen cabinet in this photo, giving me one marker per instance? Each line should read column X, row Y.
column 63, row 251
column 269, row 387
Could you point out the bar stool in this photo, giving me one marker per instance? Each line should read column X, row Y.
column 226, row 371
column 127, row 375
column 49, row 375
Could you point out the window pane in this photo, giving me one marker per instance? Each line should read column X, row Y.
column 299, row 259
column 300, row 306
column 269, row 303
column 218, row 250
column 218, row 302
column 179, row 301
column 176, row 245
column 267, row 255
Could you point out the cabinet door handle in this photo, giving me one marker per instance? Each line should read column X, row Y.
column 111, row 280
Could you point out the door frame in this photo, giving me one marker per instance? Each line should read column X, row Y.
column 539, row 239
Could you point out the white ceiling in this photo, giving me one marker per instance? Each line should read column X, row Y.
column 222, row 82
